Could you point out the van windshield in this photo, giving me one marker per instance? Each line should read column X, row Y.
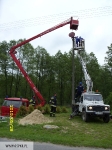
column 93, row 97
column 16, row 104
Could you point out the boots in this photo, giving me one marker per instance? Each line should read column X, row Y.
column 70, row 117
column 53, row 115
column 50, row 114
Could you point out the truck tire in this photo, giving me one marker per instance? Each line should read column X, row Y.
column 85, row 116
column 106, row 118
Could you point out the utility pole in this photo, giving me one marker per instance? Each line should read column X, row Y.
column 72, row 35
column 73, row 71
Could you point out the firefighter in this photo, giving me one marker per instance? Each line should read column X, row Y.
column 32, row 101
column 53, row 103
column 80, row 90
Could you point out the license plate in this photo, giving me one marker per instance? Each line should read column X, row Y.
column 98, row 113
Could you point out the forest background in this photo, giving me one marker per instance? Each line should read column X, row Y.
column 51, row 74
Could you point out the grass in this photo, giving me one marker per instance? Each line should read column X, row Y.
column 73, row 132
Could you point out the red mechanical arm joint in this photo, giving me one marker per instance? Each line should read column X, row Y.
column 73, row 25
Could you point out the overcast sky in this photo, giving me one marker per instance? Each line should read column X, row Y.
column 21, row 19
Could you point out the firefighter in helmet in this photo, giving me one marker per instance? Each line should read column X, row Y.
column 53, row 103
column 32, row 101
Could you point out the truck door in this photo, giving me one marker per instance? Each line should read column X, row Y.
column 81, row 103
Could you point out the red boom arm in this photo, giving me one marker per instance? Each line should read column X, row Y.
column 73, row 25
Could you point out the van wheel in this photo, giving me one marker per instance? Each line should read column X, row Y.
column 85, row 116
column 106, row 118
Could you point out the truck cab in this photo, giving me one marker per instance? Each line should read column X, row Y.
column 91, row 104
column 15, row 102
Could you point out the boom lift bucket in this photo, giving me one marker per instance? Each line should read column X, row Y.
column 74, row 24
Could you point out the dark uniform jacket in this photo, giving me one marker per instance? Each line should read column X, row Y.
column 53, row 101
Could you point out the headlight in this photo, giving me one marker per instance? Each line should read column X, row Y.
column 90, row 107
column 106, row 108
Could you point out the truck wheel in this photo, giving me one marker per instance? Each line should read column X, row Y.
column 106, row 118
column 85, row 116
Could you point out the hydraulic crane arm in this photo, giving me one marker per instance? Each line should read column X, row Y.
column 88, row 80
column 73, row 25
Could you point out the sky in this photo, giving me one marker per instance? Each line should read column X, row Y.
column 27, row 18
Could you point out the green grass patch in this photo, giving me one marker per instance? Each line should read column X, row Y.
column 73, row 132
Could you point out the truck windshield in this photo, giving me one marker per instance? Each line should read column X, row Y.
column 93, row 97
column 16, row 104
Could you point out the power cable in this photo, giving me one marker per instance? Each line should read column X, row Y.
column 40, row 20
column 81, row 14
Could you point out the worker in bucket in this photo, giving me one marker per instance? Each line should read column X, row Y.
column 77, row 41
column 80, row 41
column 53, row 103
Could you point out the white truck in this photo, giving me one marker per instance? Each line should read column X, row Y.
column 90, row 104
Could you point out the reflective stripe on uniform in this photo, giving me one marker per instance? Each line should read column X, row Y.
column 53, row 105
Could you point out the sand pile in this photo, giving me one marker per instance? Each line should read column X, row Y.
column 36, row 117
